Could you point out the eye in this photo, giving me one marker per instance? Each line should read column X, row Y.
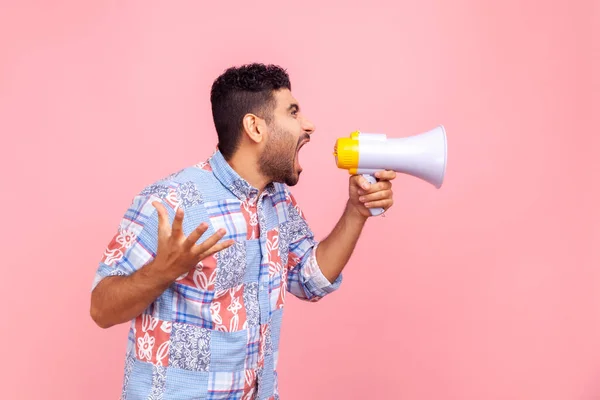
column 295, row 113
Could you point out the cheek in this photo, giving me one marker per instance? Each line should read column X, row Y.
column 288, row 143
column 287, row 148
column 277, row 150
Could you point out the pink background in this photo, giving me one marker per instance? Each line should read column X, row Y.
column 486, row 289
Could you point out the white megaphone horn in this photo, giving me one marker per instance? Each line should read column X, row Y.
column 423, row 155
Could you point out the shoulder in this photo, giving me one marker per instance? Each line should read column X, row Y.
column 181, row 189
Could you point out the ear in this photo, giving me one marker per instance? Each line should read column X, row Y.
column 254, row 127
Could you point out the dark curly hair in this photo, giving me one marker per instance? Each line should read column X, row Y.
column 241, row 90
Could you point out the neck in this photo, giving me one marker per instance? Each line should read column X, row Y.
column 244, row 162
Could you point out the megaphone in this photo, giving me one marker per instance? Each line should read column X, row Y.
column 422, row 156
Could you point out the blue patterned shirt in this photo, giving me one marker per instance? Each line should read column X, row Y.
column 214, row 333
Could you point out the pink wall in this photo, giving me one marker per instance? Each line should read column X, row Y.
column 486, row 289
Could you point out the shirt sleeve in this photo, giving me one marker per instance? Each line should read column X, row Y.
column 135, row 242
column 305, row 279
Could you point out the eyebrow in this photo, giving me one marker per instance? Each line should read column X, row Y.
column 294, row 107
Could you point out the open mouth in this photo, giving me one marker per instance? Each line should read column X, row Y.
column 297, row 159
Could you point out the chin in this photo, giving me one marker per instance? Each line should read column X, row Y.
column 293, row 180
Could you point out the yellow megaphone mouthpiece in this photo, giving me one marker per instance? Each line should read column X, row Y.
column 346, row 153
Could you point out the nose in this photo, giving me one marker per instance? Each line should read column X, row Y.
column 308, row 126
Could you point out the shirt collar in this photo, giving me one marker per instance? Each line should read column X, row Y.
column 233, row 181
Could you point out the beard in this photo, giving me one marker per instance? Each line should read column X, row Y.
column 277, row 162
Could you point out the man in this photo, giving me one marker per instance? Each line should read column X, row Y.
column 205, row 293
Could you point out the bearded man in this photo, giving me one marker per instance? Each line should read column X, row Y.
column 205, row 294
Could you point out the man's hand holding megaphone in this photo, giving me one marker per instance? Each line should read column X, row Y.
column 364, row 195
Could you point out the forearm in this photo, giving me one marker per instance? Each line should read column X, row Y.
column 118, row 299
column 333, row 253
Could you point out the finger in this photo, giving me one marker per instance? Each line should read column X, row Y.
column 177, row 230
column 218, row 247
column 163, row 219
column 386, row 175
column 376, row 187
column 210, row 242
column 379, row 186
column 385, row 204
column 380, row 195
column 196, row 234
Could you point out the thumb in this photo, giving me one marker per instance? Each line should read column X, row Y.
column 362, row 182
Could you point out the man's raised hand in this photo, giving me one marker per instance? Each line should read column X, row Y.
column 178, row 254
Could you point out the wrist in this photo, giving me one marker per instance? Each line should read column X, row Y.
column 354, row 214
column 156, row 274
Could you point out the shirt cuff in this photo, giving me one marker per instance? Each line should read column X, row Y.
column 104, row 271
column 313, row 275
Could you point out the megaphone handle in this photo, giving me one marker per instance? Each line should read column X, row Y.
column 374, row 211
